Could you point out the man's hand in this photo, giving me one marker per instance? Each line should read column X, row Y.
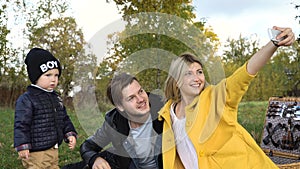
column 100, row 163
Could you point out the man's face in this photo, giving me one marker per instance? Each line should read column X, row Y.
column 135, row 101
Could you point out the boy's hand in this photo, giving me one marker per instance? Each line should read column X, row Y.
column 72, row 142
column 24, row 154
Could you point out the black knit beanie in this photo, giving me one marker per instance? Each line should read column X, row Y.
column 38, row 62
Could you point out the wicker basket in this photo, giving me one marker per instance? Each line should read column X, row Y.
column 289, row 166
column 281, row 134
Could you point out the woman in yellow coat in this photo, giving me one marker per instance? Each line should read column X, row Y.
column 201, row 128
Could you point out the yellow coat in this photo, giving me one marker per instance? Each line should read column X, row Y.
column 211, row 124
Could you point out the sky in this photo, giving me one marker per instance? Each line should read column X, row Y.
column 228, row 18
column 248, row 17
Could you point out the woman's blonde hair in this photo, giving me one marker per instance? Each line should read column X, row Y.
column 177, row 70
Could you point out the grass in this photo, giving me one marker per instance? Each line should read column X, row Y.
column 251, row 116
column 8, row 154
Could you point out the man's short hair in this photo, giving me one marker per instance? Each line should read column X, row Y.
column 116, row 86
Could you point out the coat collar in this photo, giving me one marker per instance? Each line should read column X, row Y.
column 37, row 91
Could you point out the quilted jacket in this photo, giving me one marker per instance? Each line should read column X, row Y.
column 41, row 120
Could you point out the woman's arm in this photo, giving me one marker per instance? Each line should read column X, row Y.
column 259, row 59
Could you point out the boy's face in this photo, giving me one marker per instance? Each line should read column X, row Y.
column 135, row 101
column 48, row 80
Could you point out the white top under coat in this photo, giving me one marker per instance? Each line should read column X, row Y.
column 184, row 146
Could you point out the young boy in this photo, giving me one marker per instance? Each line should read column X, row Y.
column 41, row 120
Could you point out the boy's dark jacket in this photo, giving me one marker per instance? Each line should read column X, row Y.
column 41, row 120
column 116, row 122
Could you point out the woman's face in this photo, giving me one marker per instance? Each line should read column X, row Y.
column 193, row 81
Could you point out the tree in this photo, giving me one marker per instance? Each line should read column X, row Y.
column 44, row 24
column 287, row 66
column 65, row 41
column 48, row 26
column 155, row 32
column 272, row 79
column 297, row 17
column 3, row 40
column 11, row 75
column 45, row 28
column 297, row 60
column 237, row 52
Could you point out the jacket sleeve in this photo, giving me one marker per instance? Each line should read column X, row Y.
column 90, row 149
column 236, row 86
column 22, row 122
column 69, row 129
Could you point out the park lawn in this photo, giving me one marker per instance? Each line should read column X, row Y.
column 251, row 115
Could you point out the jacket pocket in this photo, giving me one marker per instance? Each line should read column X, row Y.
column 233, row 155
